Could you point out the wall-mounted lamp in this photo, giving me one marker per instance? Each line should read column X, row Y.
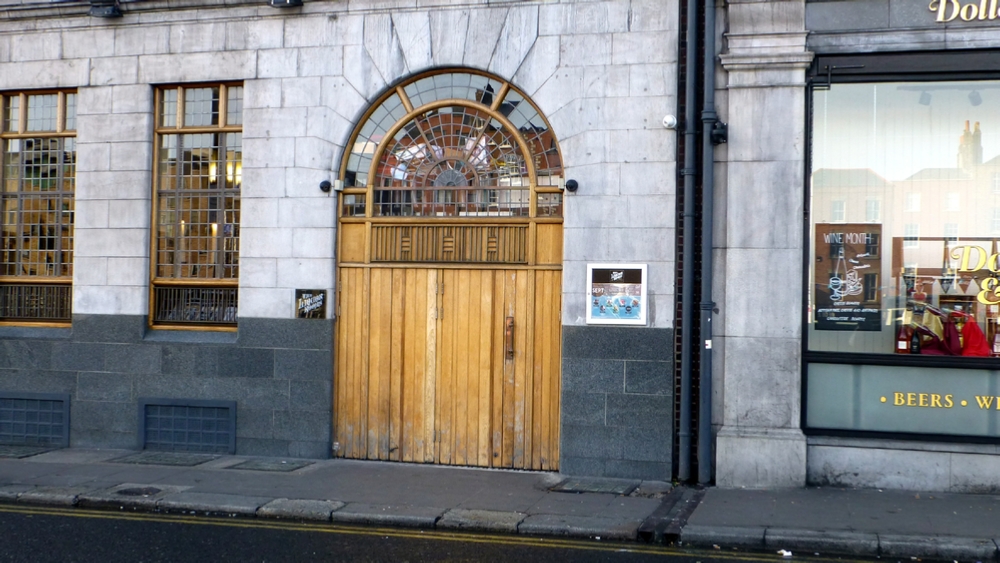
column 572, row 186
column 336, row 185
column 925, row 99
column 720, row 133
column 105, row 9
column 974, row 98
column 284, row 3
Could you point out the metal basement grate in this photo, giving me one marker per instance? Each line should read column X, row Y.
column 178, row 425
column 32, row 419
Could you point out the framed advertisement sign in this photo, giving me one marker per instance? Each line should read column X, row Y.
column 310, row 303
column 617, row 294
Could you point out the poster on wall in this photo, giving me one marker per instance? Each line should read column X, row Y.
column 310, row 303
column 617, row 294
column 848, row 266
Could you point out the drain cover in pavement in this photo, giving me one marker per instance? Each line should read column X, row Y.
column 612, row 486
column 270, row 465
column 21, row 451
column 165, row 458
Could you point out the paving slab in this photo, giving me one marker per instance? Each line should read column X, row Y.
column 580, row 526
column 19, row 452
column 481, row 520
column 279, row 465
column 387, row 515
column 165, row 458
column 595, row 485
column 212, row 503
column 945, row 548
column 78, row 456
column 824, row 542
column 299, row 509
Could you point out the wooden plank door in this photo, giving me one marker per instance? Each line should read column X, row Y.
column 451, row 366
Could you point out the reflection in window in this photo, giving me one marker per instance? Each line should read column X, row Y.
column 951, row 202
column 880, row 272
column 838, row 211
column 873, row 210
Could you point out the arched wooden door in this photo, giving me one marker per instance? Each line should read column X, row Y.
column 449, row 278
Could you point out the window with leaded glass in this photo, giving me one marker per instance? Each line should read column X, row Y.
column 199, row 170
column 38, row 144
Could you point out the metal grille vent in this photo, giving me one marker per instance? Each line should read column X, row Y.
column 188, row 425
column 196, row 305
column 34, row 420
column 36, row 302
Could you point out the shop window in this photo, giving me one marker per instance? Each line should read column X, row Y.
column 903, row 309
column 905, row 256
column 38, row 171
column 198, row 177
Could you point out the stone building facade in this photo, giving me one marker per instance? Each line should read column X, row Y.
column 602, row 73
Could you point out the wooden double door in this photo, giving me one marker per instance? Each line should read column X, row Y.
column 449, row 365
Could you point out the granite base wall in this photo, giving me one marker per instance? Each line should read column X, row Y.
column 277, row 370
column 617, row 405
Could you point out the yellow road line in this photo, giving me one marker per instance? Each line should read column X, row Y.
column 439, row 535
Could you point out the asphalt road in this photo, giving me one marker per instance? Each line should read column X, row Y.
column 40, row 535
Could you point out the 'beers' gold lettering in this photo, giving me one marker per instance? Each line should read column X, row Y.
column 926, row 400
column 950, row 10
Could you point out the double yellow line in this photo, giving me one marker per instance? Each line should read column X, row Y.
column 435, row 535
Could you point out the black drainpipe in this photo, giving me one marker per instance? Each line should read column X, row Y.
column 687, row 281
column 713, row 133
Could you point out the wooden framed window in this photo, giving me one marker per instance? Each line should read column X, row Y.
column 196, row 210
column 38, row 146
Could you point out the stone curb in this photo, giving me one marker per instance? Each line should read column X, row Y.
column 212, row 503
column 299, row 509
column 382, row 515
column 172, row 500
column 867, row 544
column 727, row 536
column 848, row 543
column 580, row 526
column 950, row 548
column 481, row 520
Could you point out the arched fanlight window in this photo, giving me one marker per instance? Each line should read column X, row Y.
column 453, row 144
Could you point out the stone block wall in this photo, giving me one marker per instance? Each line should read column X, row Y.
column 277, row 371
column 617, row 402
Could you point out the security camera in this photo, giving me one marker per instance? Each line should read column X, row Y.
column 670, row 122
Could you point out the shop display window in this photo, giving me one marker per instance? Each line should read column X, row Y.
column 904, row 215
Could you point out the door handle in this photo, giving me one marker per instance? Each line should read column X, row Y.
column 508, row 337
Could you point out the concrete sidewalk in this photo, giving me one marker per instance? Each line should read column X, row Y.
column 865, row 522
column 334, row 490
column 825, row 520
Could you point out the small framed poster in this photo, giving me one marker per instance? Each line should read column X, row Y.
column 617, row 294
column 310, row 303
